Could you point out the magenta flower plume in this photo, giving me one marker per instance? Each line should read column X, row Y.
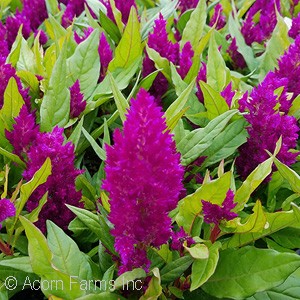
column 258, row 32
column 214, row 214
column 201, row 77
column 77, row 103
column 178, row 238
column 295, row 29
column 3, row 43
column 123, row 6
column 7, row 210
column 237, row 59
column 289, row 68
column 218, row 18
column 105, row 54
column 86, row 33
column 185, row 59
column 158, row 40
column 74, row 9
column 144, row 179
column 268, row 121
column 60, row 185
column 187, row 4
column 228, row 94
column 24, row 133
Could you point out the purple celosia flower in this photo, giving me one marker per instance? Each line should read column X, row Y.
column 123, row 6
column 105, row 54
column 13, row 24
column 178, row 238
column 295, row 29
column 185, row 59
column 86, row 33
column 258, row 32
column 7, row 210
column 24, row 133
column 289, row 68
column 60, row 185
column 3, row 43
column 43, row 39
column 218, row 17
column 268, row 121
column 214, row 213
column 74, row 9
column 158, row 40
column 6, row 72
column 228, row 94
column 77, row 102
column 187, row 4
column 144, row 179
column 201, row 77
column 237, row 59
column 35, row 11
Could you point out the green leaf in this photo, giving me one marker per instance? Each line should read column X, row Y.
column 199, row 251
column 254, row 270
column 197, row 141
column 174, row 269
column 21, row 263
column 130, row 46
column 290, row 175
column 97, row 225
column 287, row 237
column 256, row 177
column 55, row 107
column 52, row 7
column 98, row 150
column 38, row 249
column 75, row 136
column 276, row 46
column 109, row 26
column 289, row 290
column 154, row 289
column 13, row 157
column 66, row 255
column 190, row 207
column 84, row 64
column 194, row 28
column 254, row 223
column 275, row 222
column 178, row 105
column 213, row 101
column 203, row 269
column 104, row 296
column 121, row 102
column 124, row 280
column 12, row 103
column 226, row 143
column 217, row 73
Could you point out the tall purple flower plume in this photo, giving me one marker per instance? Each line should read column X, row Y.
column 218, row 18
column 202, row 76
column 187, row 4
column 74, row 9
column 237, row 59
column 77, row 103
column 7, row 210
column 144, row 179
column 105, row 54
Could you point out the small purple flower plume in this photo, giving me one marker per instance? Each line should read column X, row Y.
column 144, row 179
column 228, row 94
column 185, row 59
column 24, row 133
column 258, row 32
column 105, row 54
column 218, row 18
column 60, row 185
column 187, row 4
column 268, row 121
column 77, row 102
column 178, row 238
column 7, row 210
column 237, row 59
column 202, row 76
column 74, row 9
column 214, row 214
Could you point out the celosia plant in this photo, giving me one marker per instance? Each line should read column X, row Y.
column 143, row 153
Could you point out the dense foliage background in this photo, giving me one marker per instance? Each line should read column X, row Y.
column 149, row 149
